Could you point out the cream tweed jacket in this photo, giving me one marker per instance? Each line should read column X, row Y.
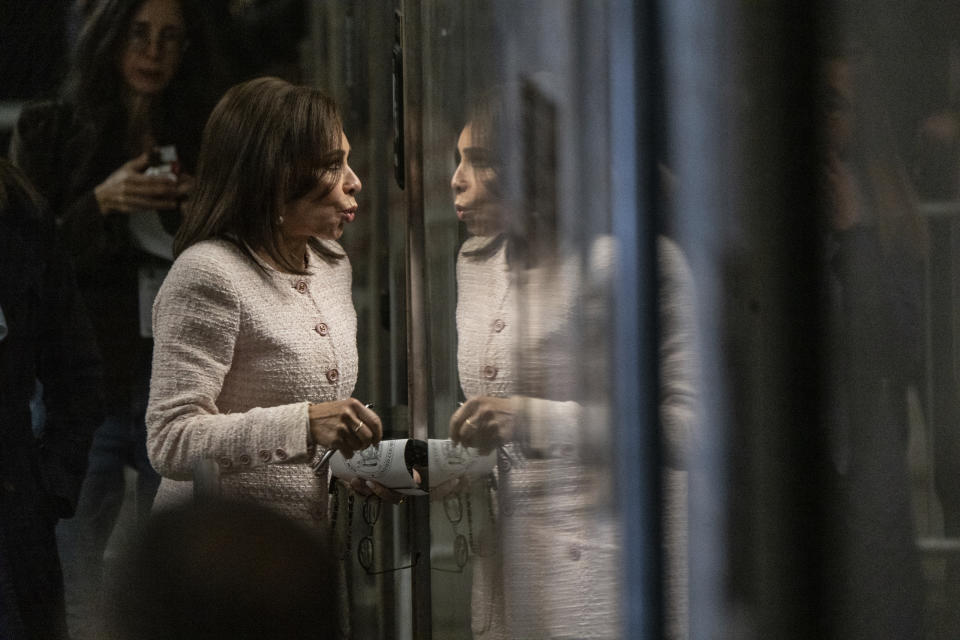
column 239, row 353
column 548, row 564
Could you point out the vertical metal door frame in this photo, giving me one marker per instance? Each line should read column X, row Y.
column 634, row 152
column 418, row 360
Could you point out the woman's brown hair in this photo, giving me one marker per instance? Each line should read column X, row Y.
column 267, row 143
column 531, row 233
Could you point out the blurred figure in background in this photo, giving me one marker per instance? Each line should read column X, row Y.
column 45, row 335
column 875, row 264
column 139, row 79
column 225, row 571
column 936, row 174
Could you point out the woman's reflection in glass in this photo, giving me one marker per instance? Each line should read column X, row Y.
column 548, row 566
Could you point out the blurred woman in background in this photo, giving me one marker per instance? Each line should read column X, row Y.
column 140, row 78
column 876, row 251
column 45, row 336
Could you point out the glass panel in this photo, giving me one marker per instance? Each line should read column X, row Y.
column 814, row 150
column 460, row 59
column 351, row 58
column 889, row 99
column 520, row 270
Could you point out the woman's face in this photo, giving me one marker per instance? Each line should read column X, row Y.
column 154, row 47
column 478, row 207
column 324, row 215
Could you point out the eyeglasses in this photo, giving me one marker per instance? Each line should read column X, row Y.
column 169, row 39
column 455, row 506
column 453, row 509
column 370, row 510
column 371, row 513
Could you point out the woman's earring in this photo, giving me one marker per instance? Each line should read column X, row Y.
column 279, row 220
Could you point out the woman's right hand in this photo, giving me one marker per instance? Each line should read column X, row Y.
column 345, row 425
column 127, row 189
column 484, row 422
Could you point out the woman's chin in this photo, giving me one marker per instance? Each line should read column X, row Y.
column 481, row 230
column 333, row 234
column 148, row 88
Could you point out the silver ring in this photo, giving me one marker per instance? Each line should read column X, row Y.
column 467, row 421
column 358, row 426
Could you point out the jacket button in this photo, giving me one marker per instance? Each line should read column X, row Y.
column 489, row 372
column 333, row 375
column 245, row 460
column 225, row 463
column 322, row 328
column 302, row 286
column 264, row 455
column 498, row 325
column 281, row 454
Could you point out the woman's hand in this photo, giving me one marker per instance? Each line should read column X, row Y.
column 369, row 487
column 185, row 183
column 484, row 423
column 127, row 189
column 444, row 489
column 345, row 425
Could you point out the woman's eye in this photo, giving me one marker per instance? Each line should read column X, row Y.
column 479, row 159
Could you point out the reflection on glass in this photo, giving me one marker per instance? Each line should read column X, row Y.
column 453, row 510
column 532, row 319
column 370, row 511
column 875, row 278
column 547, row 566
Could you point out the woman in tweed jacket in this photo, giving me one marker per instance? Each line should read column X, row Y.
column 255, row 355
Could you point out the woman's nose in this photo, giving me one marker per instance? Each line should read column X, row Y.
column 154, row 49
column 351, row 182
column 457, row 182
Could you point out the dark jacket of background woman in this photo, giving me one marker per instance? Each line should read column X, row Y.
column 49, row 339
column 70, row 146
column 67, row 156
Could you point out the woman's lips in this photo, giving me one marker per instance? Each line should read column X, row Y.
column 462, row 213
column 350, row 214
column 151, row 75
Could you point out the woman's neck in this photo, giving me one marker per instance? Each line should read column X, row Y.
column 295, row 253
